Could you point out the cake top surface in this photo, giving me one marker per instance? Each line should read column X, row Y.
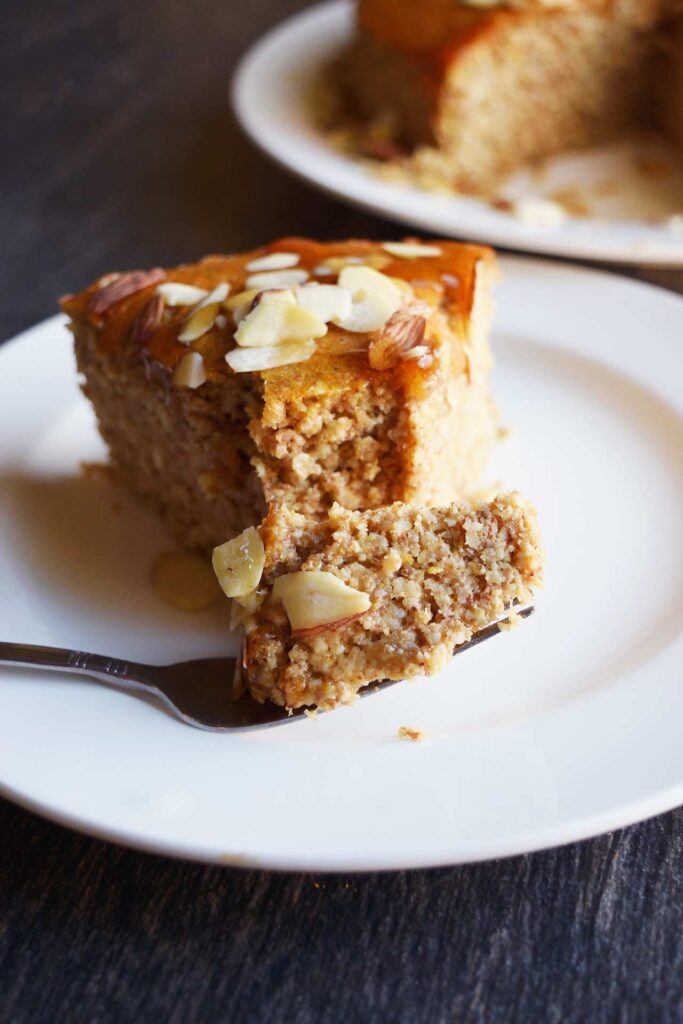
column 251, row 312
column 438, row 29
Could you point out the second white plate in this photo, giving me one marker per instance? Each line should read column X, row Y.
column 270, row 97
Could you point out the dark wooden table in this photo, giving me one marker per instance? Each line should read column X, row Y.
column 117, row 151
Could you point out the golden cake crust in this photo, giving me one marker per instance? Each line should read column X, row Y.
column 447, row 281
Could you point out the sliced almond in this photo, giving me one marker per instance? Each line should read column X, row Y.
column 277, row 279
column 277, row 319
column 189, row 371
column 318, row 600
column 419, row 353
column 242, row 608
column 184, row 581
column 411, row 250
column 274, row 261
column 403, row 332
column 202, row 318
column 240, row 304
column 121, row 286
column 149, row 319
column 175, row 293
column 327, row 301
column 335, row 264
column 403, row 286
column 375, row 298
column 239, row 562
column 252, row 360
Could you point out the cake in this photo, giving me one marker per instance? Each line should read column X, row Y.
column 465, row 92
column 329, row 606
column 300, row 373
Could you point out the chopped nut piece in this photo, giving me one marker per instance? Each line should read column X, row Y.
column 335, row 264
column 251, row 360
column 419, row 352
column 325, row 300
column 239, row 562
column 277, row 279
column 184, row 581
column 121, row 287
column 318, row 600
column 403, row 332
column 276, row 319
column 411, row 250
column 407, row 732
column 375, row 299
column 541, row 213
column 242, row 608
column 190, row 371
column 175, row 293
column 202, row 318
column 149, row 319
column 274, row 261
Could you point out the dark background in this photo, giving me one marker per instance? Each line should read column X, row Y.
column 118, row 151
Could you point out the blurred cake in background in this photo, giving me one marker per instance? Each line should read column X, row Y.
column 463, row 93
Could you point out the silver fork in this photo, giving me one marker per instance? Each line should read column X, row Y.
column 198, row 692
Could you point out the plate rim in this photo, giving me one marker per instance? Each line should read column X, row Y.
column 504, row 232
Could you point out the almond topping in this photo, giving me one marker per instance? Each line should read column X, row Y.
column 239, row 562
column 274, row 261
column 251, row 360
column 411, row 250
column 335, row 264
column 202, row 318
column 421, row 354
column 241, row 304
column 403, row 332
column 318, row 600
column 175, row 293
column 277, row 279
column 190, row 371
column 409, row 732
column 327, row 301
column 375, row 298
column 121, row 287
column 148, row 320
column 277, row 319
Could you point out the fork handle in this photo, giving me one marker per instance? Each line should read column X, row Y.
column 61, row 659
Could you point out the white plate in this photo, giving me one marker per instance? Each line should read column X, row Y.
column 269, row 97
column 568, row 726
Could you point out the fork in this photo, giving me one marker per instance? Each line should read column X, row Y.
column 198, row 692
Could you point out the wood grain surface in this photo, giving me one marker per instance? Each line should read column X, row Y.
column 117, row 151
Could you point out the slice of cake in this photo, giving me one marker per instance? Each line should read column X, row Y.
column 304, row 373
column 475, row 89
column 356, row 597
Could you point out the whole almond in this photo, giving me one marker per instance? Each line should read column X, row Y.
column 403, row 331
column 148, row 320
column 121, row 287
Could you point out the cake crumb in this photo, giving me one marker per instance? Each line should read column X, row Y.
column 538, row 212
column 311, row 713
column 572, row 201
column 512, row 620
column 408, row 732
